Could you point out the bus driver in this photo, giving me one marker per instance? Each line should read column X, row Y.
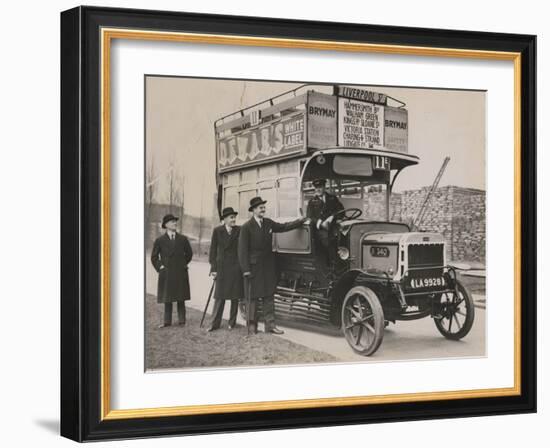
column 321, row 209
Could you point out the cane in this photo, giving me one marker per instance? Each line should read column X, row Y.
column 248, row 292
column 207, row 302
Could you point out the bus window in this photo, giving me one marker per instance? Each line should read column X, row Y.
column 231, row 197
column 249, row 176
column 244, row 202
column 267, row 192
column 291, row 167
column 350, row 165
column 288, row 197
column 268, row 171
column 231, row 179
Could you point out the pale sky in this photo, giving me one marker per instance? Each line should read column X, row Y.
column 181, row 112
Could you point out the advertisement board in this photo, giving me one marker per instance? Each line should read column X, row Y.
column 396, row 129
column 282, row 137
column 321, row 120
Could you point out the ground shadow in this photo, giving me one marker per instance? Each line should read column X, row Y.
column 49, row 425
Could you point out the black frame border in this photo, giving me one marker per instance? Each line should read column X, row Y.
column 81, row 223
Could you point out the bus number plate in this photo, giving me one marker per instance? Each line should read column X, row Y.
column 379, row 251
column 427, row 282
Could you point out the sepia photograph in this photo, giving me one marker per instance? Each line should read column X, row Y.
column 290, row 223
column 279, row 224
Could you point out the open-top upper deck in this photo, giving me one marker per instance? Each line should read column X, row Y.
column 303, row 121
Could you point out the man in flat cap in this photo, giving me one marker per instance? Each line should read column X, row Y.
column 170, row 257
column 257, row 262
column 224, row 267
column 321, row 209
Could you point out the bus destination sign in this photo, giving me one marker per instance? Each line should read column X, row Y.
column 356, row 93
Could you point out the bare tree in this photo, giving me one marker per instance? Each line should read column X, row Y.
column 200, row 216
column 171, row 187
column 150, row 187
column 177, row 188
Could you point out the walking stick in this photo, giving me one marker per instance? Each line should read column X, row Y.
column 248, row 289
column 207, row 302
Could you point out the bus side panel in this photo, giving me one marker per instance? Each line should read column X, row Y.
column 297, row 241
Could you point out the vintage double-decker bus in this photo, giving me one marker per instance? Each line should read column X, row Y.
column 356, row 139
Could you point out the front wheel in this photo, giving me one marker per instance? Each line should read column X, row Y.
column 457, row 313
column 363, row 320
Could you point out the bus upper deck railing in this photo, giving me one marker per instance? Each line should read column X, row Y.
column 280, row 98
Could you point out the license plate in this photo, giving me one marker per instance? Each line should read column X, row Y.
column 426, row 282
column 379, row 251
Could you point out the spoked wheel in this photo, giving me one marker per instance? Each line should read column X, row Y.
column 363, row 320
column 457, row 313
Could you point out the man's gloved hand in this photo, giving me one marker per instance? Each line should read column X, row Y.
column 326, row 223
column 213, row 275
column 246, row 274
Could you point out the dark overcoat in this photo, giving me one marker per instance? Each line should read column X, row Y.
column 317, row 209
column 170, row 259
column 256, row 254
column 224, row 260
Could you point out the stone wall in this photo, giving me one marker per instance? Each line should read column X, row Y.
column 375, row 205
column 455, row 212
column 468, row 225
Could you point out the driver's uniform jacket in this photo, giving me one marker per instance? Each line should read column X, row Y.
column 319, row 210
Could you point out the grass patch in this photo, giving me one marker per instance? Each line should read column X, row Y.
column 191, row 346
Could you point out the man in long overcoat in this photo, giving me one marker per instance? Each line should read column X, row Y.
column 170, row 257
column 257, row 262
column 224, row 267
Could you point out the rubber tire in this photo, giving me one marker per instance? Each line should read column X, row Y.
column 378, row 312
column 470, row 316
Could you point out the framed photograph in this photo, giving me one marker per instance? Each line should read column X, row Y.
column 276, row 224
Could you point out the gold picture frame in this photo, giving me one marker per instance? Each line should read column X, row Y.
column 107, row 33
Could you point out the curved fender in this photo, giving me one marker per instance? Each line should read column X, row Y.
column 339, row 291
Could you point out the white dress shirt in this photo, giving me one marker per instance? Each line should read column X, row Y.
column 259, row 221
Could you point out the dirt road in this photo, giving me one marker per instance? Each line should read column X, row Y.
column 404, row 340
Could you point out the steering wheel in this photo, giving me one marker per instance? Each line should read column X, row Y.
column 348, row 213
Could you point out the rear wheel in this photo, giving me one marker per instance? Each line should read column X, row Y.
column 457, row 313
column 363, row 320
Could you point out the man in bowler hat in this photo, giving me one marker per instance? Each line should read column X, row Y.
column 170, row 257
column 224, row 267
column 257, row 262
